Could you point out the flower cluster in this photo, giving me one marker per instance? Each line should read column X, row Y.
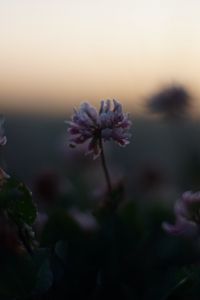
column 108, row 124
column 187, row 212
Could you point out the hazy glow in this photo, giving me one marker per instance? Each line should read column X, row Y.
column 72, row 50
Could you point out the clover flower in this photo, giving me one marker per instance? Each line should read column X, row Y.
column 108, row 124
column 187, row 212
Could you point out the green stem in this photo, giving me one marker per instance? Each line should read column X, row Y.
column 105, row 169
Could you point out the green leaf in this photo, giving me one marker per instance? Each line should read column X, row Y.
column 23, row 276
column 188, row 287
column 16, row 200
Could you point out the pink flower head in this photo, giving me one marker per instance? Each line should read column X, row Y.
column 84, row 219
column 187, row 212
column 108, row 124
column 3, row 139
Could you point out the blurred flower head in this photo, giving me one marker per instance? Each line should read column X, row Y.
column 47, row 186
column 172, row 101
column 110, row 123
column 41, row 220
column 85, row 220
column 187, row 212
column 3, row 139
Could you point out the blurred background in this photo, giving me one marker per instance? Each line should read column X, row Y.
column 146, row 54
column 55, row 54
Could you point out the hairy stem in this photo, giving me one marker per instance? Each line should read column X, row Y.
column 105, row 169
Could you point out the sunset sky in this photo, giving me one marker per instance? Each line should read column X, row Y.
column 57, row 53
